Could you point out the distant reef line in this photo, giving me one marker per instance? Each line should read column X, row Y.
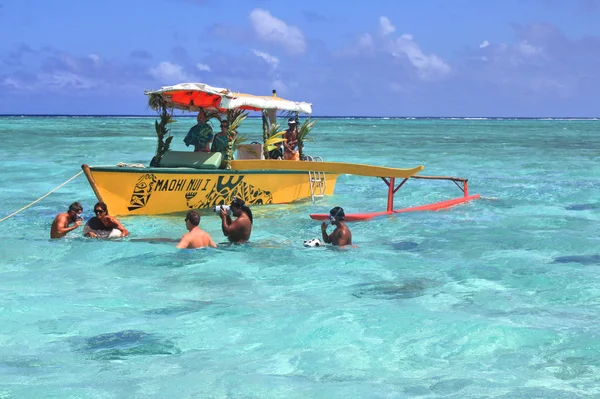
column 193, row 115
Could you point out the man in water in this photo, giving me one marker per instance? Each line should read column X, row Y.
column 60, row 225
column 290, row 144
column 341, row 236
column 237, row 231
column 200, row 135
column 196, row 237
column 103, row 224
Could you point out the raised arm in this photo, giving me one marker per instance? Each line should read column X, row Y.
column 226, row 224
column 63, row 225
column 326, row 237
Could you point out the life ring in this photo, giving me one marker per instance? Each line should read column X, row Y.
column 114, row 233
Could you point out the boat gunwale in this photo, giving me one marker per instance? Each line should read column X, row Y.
column 183, row 170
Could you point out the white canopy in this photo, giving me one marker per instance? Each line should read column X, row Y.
column 191, row 96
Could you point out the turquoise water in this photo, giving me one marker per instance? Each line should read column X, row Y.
column 498, row 298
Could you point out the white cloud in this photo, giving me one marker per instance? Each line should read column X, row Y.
column 484, row 44
column 273, row 30
column 428, row 66
column 169, row 73
column 268, row 58
column 527, row 49
column 70, row 62
column 15, row 84
column 65, row 79
column 385, row 26
column 203, row 67
column 95, row 58
column 365, row 41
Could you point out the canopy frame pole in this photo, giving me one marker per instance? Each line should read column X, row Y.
column 392, row 189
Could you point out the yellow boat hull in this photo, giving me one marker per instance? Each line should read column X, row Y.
column 148, row 191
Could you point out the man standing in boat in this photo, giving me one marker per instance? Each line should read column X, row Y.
column 341, row 236
column 237, row 231
column 196, row 237
column 290, row 145
column 200, row 135
column 60, row 225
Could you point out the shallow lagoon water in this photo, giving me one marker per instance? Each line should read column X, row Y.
column 498, row 298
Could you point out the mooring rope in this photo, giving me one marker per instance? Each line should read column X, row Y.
column 39, row 199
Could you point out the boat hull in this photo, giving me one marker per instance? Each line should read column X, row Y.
column 149, row 191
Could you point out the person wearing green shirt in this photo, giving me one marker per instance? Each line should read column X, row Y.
column 200, row 135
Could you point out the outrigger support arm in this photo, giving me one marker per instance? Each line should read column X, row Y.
column 464, row 188
column 392, row 190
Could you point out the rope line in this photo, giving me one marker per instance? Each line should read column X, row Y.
column 39, row 199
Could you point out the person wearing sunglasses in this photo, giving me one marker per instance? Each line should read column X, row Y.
column 221, row 141
column 103, row 225
column 341, row 236
column 60, row 225
column 195, row 237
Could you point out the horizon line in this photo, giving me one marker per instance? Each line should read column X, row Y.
column 313, row 116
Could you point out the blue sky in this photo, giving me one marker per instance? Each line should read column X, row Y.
column 375, row 58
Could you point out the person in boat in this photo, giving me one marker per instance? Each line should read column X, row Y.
column 60, row 226
column 103, row 225
column 221, row 141
column 277, row 152
column 237, row 231
column 195, row 237
column 200, row 135
column 341, row 236
column 290, row 145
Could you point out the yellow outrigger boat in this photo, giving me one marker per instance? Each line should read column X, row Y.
column 178, row 181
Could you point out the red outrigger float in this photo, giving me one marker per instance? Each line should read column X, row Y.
column 392, row 189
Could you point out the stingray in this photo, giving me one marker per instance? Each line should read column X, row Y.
column 583, row 259
column 391, row 290
column 121, row 344
column 581, row 207
column 180, row 309
column 404, row 245
column 157, row 240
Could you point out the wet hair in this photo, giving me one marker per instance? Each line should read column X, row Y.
column 193, row 217
column 241, row 204
column 338, row 213
column 76, row 207
column 102, row 206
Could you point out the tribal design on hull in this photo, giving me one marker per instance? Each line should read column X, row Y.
column 198, row 191
column 142, row 191
column 228, row 187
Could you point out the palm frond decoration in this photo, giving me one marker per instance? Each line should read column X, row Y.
column 239, row 139
column 211, row 114
column 234, row 117
column 265, row 128
column 165, row 113
column 303, row 133
column 274, row 138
